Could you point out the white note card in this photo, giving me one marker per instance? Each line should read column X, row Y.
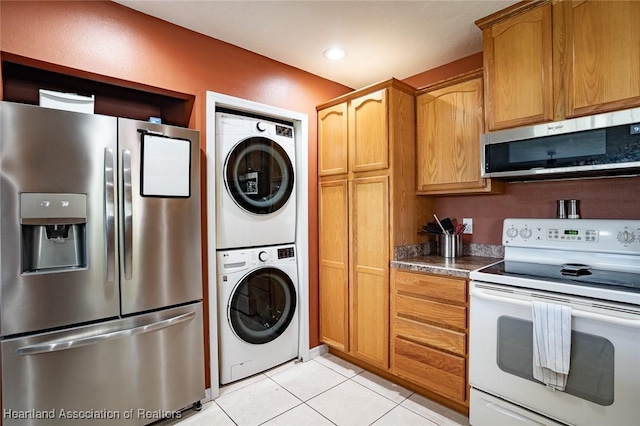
column 166, row 165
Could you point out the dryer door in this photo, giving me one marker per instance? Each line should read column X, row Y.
column 259, row 175
column 262, row 305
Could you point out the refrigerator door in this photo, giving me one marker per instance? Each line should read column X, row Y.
column 57, row 218
column 132, row 371
column 159, row 177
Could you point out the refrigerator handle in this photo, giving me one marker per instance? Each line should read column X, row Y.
column 92, row 340
column 110, row 214
column 128, row 214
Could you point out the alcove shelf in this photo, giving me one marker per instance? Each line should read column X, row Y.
column 22, row 78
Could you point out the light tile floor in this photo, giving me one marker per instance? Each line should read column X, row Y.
column 324, row 391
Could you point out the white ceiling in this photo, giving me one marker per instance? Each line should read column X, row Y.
column 383, row 39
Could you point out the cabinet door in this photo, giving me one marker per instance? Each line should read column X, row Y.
column 334, row 264
column 449, row 129
column 603, row 56
column 332, row 140
column 370, row 270
column 368, row 132
column 518, row 69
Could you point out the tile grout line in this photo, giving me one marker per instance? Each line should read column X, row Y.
column 340, row 370
column 323, row 416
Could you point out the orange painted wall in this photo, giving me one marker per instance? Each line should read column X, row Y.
column 102, row 38
column 446, row 71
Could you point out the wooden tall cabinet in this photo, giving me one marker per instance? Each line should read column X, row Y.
column 450, row 120
column 551, row 60
column 364, row 213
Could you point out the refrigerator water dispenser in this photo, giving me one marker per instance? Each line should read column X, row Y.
column 53, row 230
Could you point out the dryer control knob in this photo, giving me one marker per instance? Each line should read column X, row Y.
column 263, row 256
column 261, row 126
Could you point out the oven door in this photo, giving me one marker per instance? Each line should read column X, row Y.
column 604, row 379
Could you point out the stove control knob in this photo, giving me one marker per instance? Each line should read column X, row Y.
column 626, row 237
column 526, row 233
column 261, row 126
column 512, row 232
column 263, row 256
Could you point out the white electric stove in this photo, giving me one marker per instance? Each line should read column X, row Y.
column 592, row 266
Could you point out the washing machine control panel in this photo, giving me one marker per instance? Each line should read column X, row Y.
column 287, row 132
column 255, row 257
column 285, row 253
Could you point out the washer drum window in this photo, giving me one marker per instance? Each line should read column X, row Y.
column 259, row 175
column 262, row 306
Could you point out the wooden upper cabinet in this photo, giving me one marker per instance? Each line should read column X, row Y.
column 517, row 47
column 602, row 55
column 449, row 124
column 449, row 129
column 332, row 140
column 368, row 132
column 551, row 60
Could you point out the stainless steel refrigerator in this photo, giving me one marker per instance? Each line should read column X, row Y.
column 100, row 267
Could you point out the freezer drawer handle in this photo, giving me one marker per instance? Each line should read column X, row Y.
column 610, row 319
column 91, row 340
column 110, row 214
column 128, row 214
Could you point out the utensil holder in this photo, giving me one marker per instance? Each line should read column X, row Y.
column 450, row 245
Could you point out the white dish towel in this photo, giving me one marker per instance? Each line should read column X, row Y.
column 551, row 344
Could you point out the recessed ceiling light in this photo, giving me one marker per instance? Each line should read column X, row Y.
column 335, row 53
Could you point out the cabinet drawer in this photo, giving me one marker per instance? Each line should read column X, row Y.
column 440, row 372
column 427, row 310
column 450, row 289
column 442, row 338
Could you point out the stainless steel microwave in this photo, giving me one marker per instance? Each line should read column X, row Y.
column 602, row 144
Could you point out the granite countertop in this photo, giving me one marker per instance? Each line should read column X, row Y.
column 434, row 264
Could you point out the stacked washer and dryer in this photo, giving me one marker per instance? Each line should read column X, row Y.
column 257, row 270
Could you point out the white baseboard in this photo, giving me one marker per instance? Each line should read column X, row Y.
column 317, row 351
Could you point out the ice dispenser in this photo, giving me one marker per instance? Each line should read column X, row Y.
column 54, row 235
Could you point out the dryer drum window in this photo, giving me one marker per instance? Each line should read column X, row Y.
column 259, row 175
column 262, row 306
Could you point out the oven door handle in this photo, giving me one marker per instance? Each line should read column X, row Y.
column 578, row 313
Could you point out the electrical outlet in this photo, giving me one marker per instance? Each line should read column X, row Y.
column 468, row 229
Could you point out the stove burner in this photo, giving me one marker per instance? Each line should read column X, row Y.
column 582, row 275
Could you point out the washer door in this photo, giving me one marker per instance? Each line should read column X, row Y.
column 259, row 175
column 262, row 305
